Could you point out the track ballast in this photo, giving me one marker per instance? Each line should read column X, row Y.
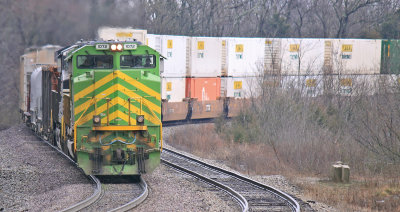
column 251, row 195
column 136, row 194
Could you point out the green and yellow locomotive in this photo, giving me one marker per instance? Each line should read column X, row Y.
column 104, row 107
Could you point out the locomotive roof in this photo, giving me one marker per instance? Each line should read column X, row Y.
column 80, row 44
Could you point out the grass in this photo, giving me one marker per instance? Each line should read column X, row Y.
column 371, row 188
column 368, row 194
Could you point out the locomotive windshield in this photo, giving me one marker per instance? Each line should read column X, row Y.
column 95, row 61
column 138, row 61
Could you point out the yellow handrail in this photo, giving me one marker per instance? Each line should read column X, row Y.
column 77, row 122
column 160, row 122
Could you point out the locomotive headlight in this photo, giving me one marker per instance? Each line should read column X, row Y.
column 140, row 118
column 113, row 47
column 96, row 120
column 119, row 47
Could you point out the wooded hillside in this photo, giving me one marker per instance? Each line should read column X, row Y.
column 29, row 23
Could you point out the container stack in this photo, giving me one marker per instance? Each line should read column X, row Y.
column 302, row 65
column 173, row 75
column 173, row 48
column 203, row 76
column 203, row 81
column 245, row 64
column 355, row 65
column 239, row 67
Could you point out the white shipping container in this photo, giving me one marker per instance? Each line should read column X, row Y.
column 356, row 56
column 356, row 84
column 313, row 85
column 173, row 89
column 302, row 56
column 242, row 87
column 307, row 86
column 154, row 42
column 205, row 57
column 245, row 56
column 175, row 49
column 122, row 34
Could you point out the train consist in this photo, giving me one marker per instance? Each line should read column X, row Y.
column 206, row 77
column 103, row 102
column 98, row 101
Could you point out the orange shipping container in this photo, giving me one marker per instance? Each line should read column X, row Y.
column 203, row 88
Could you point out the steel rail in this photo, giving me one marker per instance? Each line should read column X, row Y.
column 241, row 200
column 88, row 201
column 135, row 202
column 293, row 203
column 97, row 193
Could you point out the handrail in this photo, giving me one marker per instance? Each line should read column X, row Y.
column 151, row 111
column 77, row 122
column 129, row 107
column 160, row 122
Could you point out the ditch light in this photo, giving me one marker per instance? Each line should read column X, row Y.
column 140, row 119
column 96, row 120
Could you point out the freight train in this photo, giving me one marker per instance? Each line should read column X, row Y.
column 105, row 111
column 98, row 101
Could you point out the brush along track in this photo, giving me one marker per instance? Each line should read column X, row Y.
column 251, row 195
column 108, row 197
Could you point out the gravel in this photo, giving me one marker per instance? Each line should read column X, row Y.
column 276, row 181
column 170, row 190
column 57, row 184
column 115, row 195
column 34, row 177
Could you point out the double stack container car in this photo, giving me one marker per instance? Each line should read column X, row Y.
column 173, row 77
column 219, row 72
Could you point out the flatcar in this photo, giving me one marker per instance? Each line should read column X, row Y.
column 101, row 104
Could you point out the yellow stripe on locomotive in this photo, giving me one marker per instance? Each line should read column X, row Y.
column 116, row 107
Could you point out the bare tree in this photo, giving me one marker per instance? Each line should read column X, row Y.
column 344, row 10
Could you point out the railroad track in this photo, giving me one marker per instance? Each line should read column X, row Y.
column 117, row 197
column 102, row 192
column 251, row 195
